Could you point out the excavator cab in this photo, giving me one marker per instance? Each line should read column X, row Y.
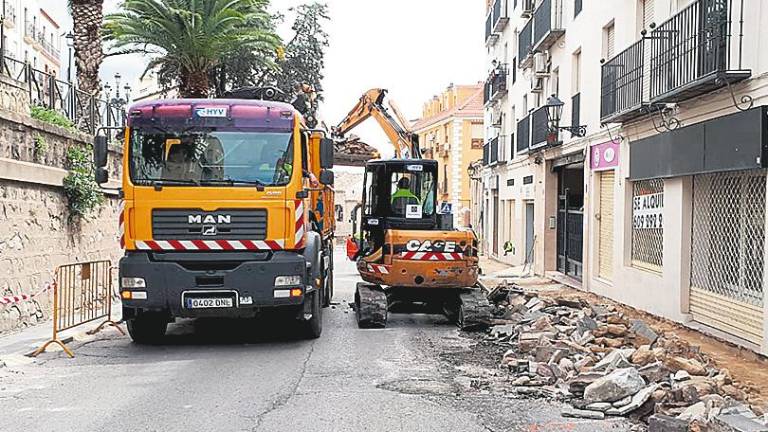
column 398, row 194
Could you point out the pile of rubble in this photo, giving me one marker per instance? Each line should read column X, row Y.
column 605, row 364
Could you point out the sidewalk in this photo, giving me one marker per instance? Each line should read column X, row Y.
column 22, row 342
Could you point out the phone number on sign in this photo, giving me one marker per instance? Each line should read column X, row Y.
column 648, row 221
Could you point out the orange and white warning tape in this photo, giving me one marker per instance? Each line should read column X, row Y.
column 24, row 297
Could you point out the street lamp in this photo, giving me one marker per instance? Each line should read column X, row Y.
column 554, row 108
column 70, row 38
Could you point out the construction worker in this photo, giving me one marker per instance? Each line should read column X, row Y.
column 403, row 196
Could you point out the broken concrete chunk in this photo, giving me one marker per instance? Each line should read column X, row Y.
column 614, row 386
column 615, row 360
column 681, row 375
column 599, row 406
column 643, row 356
column 617, row 330
column 644, row 335
column 637, row 401
column 692, row 366
column 697, row 410
column 585, row 414
column 736, row 423
column 622, row 402
column 502, row 331
column 662, row 423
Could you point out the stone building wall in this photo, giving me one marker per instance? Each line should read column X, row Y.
column 349, row 193
column 37, row 232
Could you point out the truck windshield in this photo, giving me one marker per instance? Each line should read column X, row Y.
column 204, row 157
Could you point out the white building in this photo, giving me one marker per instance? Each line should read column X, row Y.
column 32, row 35
column 662, row 204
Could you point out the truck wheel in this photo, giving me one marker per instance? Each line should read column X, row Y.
column 313, row 327
column 328, row 291
column 147, row 328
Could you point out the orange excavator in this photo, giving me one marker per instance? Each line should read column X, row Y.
column 406, row 251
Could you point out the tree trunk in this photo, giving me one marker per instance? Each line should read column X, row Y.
column 194, row 83
column 87, row 17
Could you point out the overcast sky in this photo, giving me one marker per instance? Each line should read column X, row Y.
column 414, row 48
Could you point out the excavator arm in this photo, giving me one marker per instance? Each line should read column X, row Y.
column 371, row 104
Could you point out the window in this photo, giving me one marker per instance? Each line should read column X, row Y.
column 554, row 82
column 410, row 189
column 577, row 6
column 609, row 41
column 648, row 224
column 576, row 75
column 514, row 70
column 477, row 143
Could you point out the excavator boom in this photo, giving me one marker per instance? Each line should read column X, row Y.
column 371, row 105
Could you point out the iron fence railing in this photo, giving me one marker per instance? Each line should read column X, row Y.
column 539, row 128
column 690, row 45
column 85, row 111
column 500, row 15
column 524, row 134
column 525, row 41
column 547, row 20
column 10, row 13
column 622, row 82
column 493, row 150
column 486, row 154
column 496, row 85
column 488, row 27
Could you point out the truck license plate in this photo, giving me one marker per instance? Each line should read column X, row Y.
column 209, row 303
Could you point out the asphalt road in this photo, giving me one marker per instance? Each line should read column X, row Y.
column 419, row 374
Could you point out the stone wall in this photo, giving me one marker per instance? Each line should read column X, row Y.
column 37, row 233
column 349, row 193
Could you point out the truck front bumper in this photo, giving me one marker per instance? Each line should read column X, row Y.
column 170, row 279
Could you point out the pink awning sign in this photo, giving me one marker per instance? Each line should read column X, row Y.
column 604, row 156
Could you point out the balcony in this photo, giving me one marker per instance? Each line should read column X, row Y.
column 500, row 14
column 524, row 134
column 9, row 17
column 493, row 151
column 539, row 128
column 496, row 85
column 491, row 37
column 691, row 53
column 29, row 31
column 486, row 155
column 48, row 46
column 547, row 24
column 525, row 46
column 527, row 7
column 687, row 56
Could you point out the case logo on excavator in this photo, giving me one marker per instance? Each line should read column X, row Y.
column 430, row 246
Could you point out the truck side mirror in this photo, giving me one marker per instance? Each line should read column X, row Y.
column 326, row 177
column 102, row 176
column 326, row 153
column 100, row 151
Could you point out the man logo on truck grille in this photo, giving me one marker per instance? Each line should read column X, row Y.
column 209, row 219
column 209, row 230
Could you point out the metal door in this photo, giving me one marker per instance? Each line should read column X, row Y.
column 495, row 225
column 529, row 235
column 570, row 218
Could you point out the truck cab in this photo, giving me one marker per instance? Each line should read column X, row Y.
column 227, row 211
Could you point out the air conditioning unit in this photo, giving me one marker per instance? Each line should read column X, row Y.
column 541, row 64
column 537, row 85
column 528, row 7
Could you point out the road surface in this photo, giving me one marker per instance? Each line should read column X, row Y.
column 419, row 374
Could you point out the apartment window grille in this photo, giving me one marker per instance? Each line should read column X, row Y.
column 648, row 224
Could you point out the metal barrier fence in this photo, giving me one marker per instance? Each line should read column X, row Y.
column 82, row 293
column 85, row 111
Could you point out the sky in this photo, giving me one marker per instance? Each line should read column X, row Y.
column 413, row 48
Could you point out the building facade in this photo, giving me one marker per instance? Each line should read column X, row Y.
column 661, row 204
column 32, row 35
column 451, row 132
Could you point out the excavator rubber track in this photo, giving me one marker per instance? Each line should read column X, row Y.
column 371, row 306
column 474, row 309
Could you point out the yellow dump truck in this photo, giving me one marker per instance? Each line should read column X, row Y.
column 228, row 211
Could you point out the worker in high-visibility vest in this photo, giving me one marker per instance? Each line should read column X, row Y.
column 403, row 196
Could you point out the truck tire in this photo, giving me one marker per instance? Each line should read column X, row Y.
column 328, row 279
column 313, row 327
column 147, row 328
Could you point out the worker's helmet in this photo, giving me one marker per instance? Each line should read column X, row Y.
column 404, row 183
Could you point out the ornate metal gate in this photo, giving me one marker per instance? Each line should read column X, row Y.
column 728, row 252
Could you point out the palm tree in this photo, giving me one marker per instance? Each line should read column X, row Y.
column 191, row 36
column 87, row 17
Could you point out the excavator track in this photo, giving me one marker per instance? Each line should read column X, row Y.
column 371, row 306
column 474, row 309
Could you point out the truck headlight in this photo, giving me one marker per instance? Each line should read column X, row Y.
column 288, row 280
column 132, row 282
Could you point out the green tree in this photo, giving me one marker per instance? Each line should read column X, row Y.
column 87, row 16
column 189, row 38
column 304, row 58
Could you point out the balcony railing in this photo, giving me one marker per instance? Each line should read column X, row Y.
column 527, row 7
column 486, row 154
column 500, row 14
column 539, row 128
column 493, row 151
column 688, row 55
column 9, row 17
column 496, row 85
column 622, row 85
column 47, row 45
column 490, row 36
column 547, row 24
column 691, row 50
column 30, row 30
column 525, row 45
column 523, row 134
